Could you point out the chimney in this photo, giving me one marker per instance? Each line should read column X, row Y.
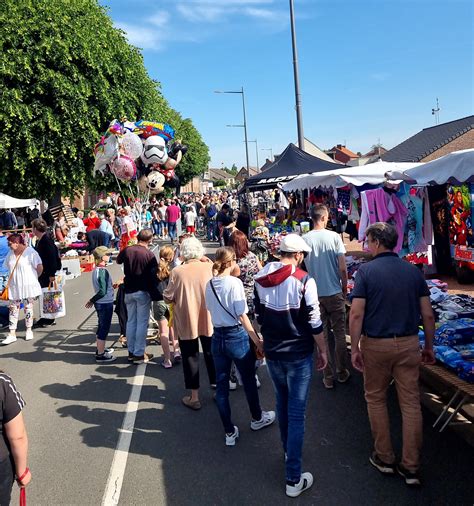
column 339, row 146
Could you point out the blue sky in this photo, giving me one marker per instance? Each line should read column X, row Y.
column 369, row 70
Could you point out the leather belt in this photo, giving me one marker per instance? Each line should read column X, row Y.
column 391, row 336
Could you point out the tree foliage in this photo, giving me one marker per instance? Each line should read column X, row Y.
column 65, row 72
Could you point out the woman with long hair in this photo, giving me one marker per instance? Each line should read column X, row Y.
column 226, row 301
column 161, row 311
column 248, row 264
column 25, row 267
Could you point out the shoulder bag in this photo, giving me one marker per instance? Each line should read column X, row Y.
column 4, row 294
column 222, row 305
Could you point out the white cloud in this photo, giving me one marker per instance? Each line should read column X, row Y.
column 160, row 19
column 144, row 38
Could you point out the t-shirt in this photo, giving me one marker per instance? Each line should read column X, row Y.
column 126, row 220
column 323, row 260
column 223, row 218
column 24, row 282
column 392, row 289
column 173, row 213
column 102, row 283
column 140, row 268
column 162, row 211
column 4, row 251
column 11, row 403
column 230, row 292
column 190, row 218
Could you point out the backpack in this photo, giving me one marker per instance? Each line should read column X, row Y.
column 211, row 211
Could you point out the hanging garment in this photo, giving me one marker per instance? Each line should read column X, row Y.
column 378, row 205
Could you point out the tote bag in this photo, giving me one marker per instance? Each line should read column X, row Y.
column 52, row 302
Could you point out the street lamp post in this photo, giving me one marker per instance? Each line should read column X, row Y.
column 271, row 152
column 299, row 115
column 256, row 152
column 244, row 126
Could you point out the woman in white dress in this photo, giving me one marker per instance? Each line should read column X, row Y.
column 24, row 286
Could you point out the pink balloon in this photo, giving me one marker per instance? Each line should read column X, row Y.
column 124, row 168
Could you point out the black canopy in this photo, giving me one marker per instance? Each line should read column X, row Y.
column 291, row 163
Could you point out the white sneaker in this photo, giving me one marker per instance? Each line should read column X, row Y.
column 8, row 340
column 268, row 417
column 232, row 385
column 29, row 335
column 305, row 482
column 230, row 439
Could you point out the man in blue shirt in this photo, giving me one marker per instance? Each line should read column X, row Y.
column 326, row 263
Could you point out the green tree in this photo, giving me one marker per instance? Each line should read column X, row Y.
column 65, row 72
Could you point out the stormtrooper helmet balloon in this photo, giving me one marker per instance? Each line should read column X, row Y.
column 154, row 151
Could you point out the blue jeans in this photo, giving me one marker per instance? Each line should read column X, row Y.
column 291, row 380
column 211, row 230
column 172, row 230
column 138, row 313
column 232, row 344
column 158, row 227
column 104, row 315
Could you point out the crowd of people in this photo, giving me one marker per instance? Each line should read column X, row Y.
column 242, row 310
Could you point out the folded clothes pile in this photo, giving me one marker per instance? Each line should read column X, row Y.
column 456, row 361
column 449, row 307
column 454, row 345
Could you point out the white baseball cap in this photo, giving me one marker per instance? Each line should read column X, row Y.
column 293, row 243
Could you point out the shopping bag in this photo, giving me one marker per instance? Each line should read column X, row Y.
column 52, row 302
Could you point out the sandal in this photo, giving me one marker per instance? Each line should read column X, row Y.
column 195, row 405
column 165, row 365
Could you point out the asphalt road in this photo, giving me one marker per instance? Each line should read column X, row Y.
column 75, row 411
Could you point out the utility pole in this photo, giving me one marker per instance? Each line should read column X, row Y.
column 299, row 115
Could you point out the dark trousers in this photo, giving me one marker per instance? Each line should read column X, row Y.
column 6, row 481
column 190, row 357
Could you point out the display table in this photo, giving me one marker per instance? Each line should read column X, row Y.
column 463, row 392
column 72, row 265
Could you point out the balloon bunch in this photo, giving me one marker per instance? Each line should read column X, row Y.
column 143, row 151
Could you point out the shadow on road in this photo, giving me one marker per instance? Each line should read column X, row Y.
column 199, row 469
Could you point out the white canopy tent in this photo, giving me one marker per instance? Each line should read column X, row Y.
column 7, row 202
column 456, row 167
column 373, row 173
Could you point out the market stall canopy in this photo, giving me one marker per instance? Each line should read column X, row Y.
column 457, row 167
column 291, row 163
column 7, row 202
column 373, row 173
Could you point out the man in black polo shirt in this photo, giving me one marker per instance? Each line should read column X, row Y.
column 389, row 297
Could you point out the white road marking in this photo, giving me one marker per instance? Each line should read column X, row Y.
column 119, row 462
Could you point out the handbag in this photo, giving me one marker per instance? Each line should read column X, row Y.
column 52, row 302
column 4, row 294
